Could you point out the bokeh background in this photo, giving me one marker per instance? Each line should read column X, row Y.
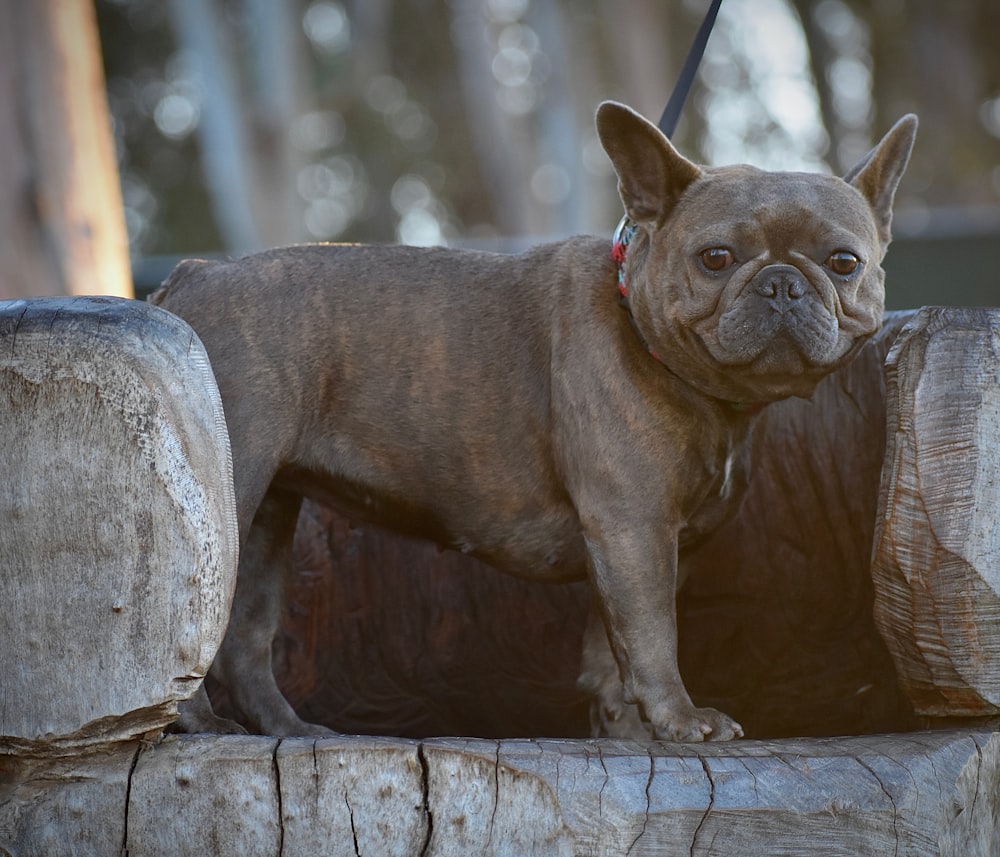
column 242, row 124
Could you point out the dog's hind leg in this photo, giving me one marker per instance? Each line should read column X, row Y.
column 600, row 678
column 243, row 664
column 196, row 715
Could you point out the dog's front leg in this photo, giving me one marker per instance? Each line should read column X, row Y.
column 636, row 584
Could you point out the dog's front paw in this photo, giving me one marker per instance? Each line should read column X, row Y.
column 692, row 725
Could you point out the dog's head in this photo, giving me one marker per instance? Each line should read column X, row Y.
column 752, row 285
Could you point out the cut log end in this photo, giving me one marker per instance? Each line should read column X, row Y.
column 119, row 543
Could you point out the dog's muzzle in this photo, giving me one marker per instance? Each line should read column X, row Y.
column 779, row 316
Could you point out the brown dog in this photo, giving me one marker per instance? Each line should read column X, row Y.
column 508, row 407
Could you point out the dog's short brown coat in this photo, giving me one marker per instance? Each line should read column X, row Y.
column 507, row 406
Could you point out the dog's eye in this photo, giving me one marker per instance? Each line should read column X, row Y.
column 717, row 258
column 843, row 262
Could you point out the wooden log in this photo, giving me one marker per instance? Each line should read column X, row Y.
column 936, row 563
column 76, row 804
column 929, row 794
column 118, row 545
column 353, row 796
column 918, row 794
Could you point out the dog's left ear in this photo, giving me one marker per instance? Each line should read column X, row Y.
column 878, row 173
column 651, row 173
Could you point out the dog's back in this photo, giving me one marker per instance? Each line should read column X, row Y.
column 408, row 386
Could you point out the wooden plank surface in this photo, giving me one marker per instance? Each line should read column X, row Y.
column 65, row 806
column 118, row 545
column 923, row 793
column 936, row 563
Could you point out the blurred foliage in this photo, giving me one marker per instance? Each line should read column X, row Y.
column 471, row 120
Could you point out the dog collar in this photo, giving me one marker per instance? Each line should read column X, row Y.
column 624, row 233
column 623, row 237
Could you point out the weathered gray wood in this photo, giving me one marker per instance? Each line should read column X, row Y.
column 927, row 793
column 73, row 805
column 936, row 562
column 479, row 803
column 206, row 795
column 128, row 446
column 362, row 796
column 118, row 545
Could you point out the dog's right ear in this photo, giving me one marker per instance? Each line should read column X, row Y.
column 651, row 173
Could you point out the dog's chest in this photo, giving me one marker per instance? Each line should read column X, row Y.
column 723, row 489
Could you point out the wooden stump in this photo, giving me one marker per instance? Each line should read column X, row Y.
column 937, row 555
column 118, row 545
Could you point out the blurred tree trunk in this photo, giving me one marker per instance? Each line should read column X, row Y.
column 496, row 147
column 248, row 159
column 938, row 60
column 822, row 55
column 61, row 213
column 559, row 127
column 645, row 37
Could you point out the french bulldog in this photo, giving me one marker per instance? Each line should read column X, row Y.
column 575, row 410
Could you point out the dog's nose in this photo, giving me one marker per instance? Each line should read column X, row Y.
column 780, row 284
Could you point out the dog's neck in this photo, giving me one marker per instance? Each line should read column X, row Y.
column 622, row 238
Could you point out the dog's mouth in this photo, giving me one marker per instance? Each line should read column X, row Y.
column 774, row 339
column 761, row 366
column 753, row 334
column 776, row 334
column 778, row 323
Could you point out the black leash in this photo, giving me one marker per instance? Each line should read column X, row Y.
column 668, row 124
column 672, row 113
column 668, row 121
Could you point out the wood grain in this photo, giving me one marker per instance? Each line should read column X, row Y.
column 927, row 793
column 936, row 562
